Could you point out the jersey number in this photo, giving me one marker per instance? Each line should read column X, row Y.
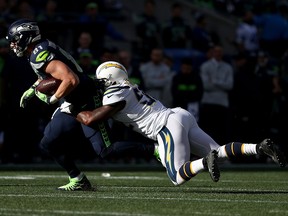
column 139, row 95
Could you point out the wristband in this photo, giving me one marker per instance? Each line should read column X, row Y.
column 53, row 99
column 35, row 84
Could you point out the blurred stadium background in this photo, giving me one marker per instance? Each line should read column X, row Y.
column 21, row 129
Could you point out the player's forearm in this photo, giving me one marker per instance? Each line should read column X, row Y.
column 90, row 117
column 83, row 117
column 65, row 88
column 100, row 114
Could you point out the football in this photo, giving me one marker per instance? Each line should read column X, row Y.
column 48, row 86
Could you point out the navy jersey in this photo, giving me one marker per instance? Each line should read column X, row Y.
column 46, row 51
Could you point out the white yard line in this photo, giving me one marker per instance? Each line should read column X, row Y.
column 31, row 177
column 144, row 198
column 64, row 212
column 6, row 211
column 18, row 177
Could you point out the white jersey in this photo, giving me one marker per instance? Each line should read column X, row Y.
column 175, row 130
column 142, row 113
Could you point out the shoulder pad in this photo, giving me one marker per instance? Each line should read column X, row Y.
column 115, row 89
column 41, row 54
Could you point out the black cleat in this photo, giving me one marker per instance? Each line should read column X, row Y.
column 210, row 163
column 268, row 147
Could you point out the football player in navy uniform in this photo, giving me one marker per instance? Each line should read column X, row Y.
column 76, row 92
column 175, row 129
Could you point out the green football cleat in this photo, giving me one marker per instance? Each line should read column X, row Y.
column 156, row 152
column 77, row 184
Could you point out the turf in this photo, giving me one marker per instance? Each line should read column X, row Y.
column 242, row 192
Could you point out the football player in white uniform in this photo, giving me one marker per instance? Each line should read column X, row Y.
column 176, row 130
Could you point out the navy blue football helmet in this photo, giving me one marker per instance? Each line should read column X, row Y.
column 21, row 33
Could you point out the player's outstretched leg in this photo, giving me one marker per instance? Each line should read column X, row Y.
column 210, row 163
column 267, row 147
column 79, row 183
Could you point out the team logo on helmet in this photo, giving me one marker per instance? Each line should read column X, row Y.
column 113, row 73
column 26, row 27
column 113, row 65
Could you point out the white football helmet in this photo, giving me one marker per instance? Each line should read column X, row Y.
column 111, row 72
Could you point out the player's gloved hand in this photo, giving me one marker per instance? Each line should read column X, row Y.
column 43, row 97
column 46, row 98
column 27, row 95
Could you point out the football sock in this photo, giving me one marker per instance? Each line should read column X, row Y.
column 80, row 176
column 190, row 169
column 236, row 149
column 249, row 149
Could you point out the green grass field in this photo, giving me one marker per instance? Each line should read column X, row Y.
column 241, row 192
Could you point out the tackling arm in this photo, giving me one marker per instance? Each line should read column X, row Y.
column 100, row 114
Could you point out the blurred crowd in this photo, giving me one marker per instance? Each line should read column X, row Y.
column 240, row 96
